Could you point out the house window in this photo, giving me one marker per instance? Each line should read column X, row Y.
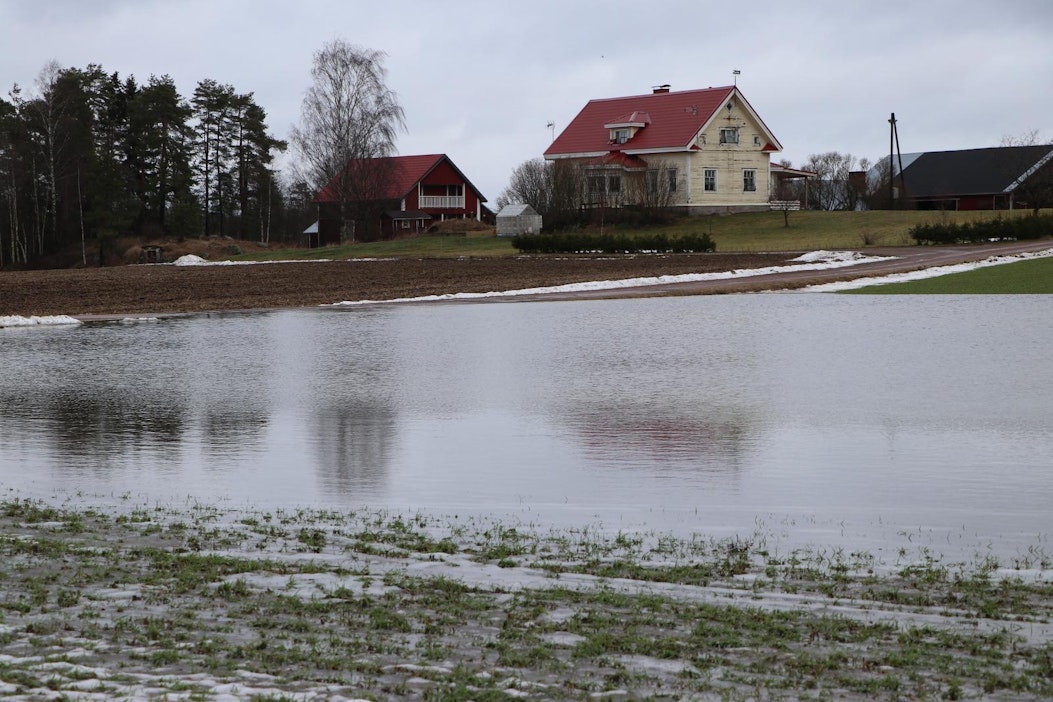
column 619, row 136
column 596, row 184
column 614, row 184
column 729, row 135
column 405, row 224
column 709, row 177
column 749, row 180
column 454, row 190
column 671, row 179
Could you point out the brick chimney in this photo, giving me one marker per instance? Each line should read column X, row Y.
column 659, row 89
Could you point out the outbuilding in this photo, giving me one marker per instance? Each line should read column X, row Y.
column 517, row 219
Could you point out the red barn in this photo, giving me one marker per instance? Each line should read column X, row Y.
column 416, row 192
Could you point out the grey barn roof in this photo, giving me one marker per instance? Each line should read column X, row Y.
column 973, row 171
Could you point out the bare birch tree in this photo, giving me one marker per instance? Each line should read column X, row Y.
column 348, row 124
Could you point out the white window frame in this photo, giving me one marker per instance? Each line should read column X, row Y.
column 671, row 182
column 729, row 135
column 749, row 180
column 620, row 135
column 707, row 180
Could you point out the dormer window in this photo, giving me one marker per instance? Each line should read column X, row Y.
column 626, row 127
column 729, row 135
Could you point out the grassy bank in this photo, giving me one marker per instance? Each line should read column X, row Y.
column 752, row 232
column 1031, row 277
column 200, row 602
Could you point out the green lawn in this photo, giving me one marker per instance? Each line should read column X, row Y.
column 752, row 232
column 1033, row 276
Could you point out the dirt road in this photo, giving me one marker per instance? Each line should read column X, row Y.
column 899, row 260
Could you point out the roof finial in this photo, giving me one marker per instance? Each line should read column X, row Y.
column 735, row 77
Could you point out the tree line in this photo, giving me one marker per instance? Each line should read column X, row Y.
column 88, row 156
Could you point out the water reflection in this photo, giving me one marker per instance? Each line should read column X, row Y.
column 686, row 413
column 353, row 445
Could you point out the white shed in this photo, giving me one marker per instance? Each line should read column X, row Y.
column 513, row 220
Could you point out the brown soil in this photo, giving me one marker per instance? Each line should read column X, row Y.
column 154, row 289
column 158, row 289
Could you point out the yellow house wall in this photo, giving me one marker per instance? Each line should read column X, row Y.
column 729, row 161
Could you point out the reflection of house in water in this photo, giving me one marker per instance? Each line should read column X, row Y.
column 353, row 445
column 101, row 425
column 628, row 435
column 230, row 430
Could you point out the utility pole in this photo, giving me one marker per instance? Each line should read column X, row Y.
column 893, row 138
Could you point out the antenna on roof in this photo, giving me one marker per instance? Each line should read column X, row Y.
column 735, row 77
column 552, row 129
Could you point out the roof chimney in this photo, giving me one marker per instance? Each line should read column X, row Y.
column 658, row 89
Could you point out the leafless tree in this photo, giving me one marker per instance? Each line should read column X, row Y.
column 831, row 190
column 1035, row 185
column 349, row 122
column 655, row 189
column 530, row 184
column 554, row 189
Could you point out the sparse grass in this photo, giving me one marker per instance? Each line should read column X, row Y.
column 1031, row 277
column 293, row 603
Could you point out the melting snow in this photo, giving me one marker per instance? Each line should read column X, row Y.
column 16, row 321
column 193, row 260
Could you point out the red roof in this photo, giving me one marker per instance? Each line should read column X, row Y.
column 617, row 158
column 408, row 171
column 674, row 120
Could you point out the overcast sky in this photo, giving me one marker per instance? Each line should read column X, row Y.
column 481, row 80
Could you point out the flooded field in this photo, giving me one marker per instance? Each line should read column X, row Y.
column 805, row 493
column 867, row 423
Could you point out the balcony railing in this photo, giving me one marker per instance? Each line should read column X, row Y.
column 442, row 202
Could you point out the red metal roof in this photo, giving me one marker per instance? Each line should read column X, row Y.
column 408, row 171
column 675, row 119
column 617, row 158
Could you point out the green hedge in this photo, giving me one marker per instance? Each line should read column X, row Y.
column 986, row 230
column 576, row 242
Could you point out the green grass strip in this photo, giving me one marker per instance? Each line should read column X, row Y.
column 1030, row 277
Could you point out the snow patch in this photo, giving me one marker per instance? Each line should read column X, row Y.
column 193, row 260
column 831, row 256
column 54, row 320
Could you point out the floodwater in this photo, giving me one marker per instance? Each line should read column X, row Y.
column 863, row 422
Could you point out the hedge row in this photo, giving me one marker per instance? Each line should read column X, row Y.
column 576, row 242
column 986, row 230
